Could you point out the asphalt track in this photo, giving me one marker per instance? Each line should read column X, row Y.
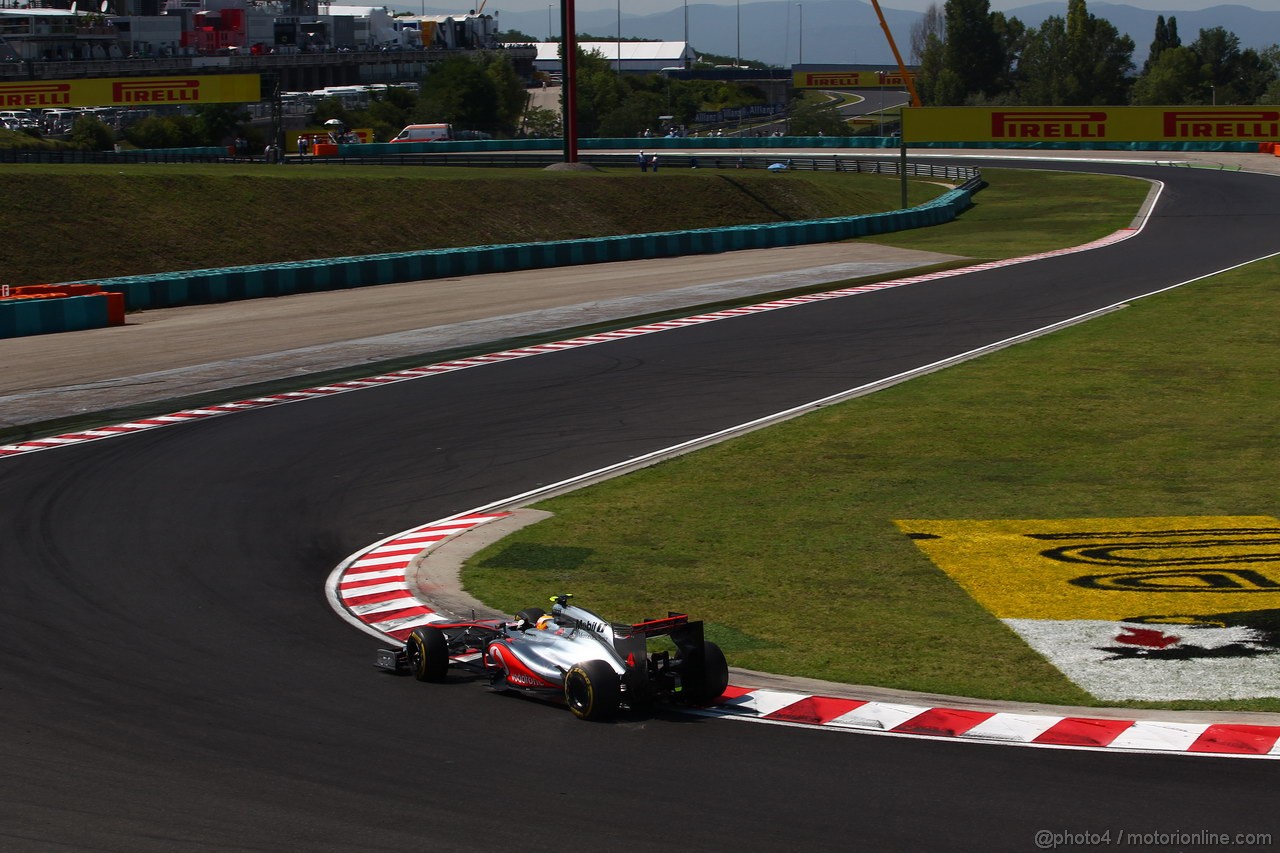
column 171, row 677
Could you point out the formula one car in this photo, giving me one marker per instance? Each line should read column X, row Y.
column 595, row 666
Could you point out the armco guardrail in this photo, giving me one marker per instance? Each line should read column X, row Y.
column 195, row 287
column 655, row 143
column 682, row 160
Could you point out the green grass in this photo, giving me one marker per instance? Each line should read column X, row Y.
column 1022, row 212
column 83, row 222
column 1165, row 408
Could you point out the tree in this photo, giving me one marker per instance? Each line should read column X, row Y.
column 1271, row 61
column 332, row 108
column 215, row 124
column 90, row 134
column 962, row 53
column 541, row 122
column 1166, row 37
column 930, row 81
column 1256, row 74
column 973, row 51
column 1100, row 58
column 1081, row 60
column 632, row 116
column 1228, row 75
column 1174, row 78
column 1043, row 68
column 514, row 36
column 509, row 90
column 163, row 132
column 1212, row 69
column 818, row 120
column 600, row 91
column 471, row 94
column 930, row 28
column 387, row 113
column 1013, row 36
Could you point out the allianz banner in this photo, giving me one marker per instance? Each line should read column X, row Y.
column 849, row 80
column 169, row 90
column 1090, row 124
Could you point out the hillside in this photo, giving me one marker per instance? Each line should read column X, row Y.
column 81, row 222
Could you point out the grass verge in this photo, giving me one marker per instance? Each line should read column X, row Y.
column 1022, row 212
column 1166, row 408
column 89, row 221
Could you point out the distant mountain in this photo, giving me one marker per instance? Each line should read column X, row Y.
column 836, row 31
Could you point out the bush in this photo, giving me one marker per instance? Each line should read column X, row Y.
column 90, row 134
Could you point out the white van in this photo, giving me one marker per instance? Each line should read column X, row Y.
column 425, row 133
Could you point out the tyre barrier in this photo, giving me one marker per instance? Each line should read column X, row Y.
column 200, row 287
column 40, row 309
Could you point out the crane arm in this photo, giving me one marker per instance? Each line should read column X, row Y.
column 911, row 83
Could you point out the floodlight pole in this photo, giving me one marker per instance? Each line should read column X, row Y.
column 569, row 85
column 738, row 59
column 686, row 33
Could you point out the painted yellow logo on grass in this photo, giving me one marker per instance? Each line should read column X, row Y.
column 1109, row 568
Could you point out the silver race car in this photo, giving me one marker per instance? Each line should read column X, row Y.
column 594, row 665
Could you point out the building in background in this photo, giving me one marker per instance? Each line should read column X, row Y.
column 645, row 57
column 117, row 29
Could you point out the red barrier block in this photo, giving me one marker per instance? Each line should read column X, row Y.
column 115, row 308
column 80, row 289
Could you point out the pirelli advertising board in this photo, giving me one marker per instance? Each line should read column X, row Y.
column 1091, row 124
column 849, row 80
column 131, row 91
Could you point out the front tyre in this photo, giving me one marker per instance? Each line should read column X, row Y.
column 592, row 690
column 427, row 652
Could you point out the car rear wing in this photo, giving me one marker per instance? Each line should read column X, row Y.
column 653, row 627
column 688, row 636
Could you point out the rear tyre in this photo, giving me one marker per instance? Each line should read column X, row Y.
column 704, row 677
column 592, row 690
column 427, row 652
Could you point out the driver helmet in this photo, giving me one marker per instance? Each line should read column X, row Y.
column 545, row 622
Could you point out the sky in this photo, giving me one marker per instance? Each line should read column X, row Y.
column 645, row 7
